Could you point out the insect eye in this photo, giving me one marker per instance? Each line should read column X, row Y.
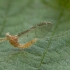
column 7, row 34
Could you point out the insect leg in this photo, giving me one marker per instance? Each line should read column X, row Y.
column 2, row 39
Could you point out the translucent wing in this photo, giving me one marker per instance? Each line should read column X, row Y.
column 38, row 31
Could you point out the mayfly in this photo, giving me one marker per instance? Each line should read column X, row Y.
column 36, row 32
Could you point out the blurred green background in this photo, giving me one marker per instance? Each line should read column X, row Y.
column 50, row 54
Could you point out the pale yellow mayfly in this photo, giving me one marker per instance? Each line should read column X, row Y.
column 36, row 32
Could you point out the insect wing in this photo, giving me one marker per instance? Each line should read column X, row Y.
column 38, row 31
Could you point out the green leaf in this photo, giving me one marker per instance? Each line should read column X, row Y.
column 49, row 53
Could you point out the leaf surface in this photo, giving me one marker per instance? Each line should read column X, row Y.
column 49, row 53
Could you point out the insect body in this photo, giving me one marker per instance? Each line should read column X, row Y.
column 37, row 31
column 14, row 41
